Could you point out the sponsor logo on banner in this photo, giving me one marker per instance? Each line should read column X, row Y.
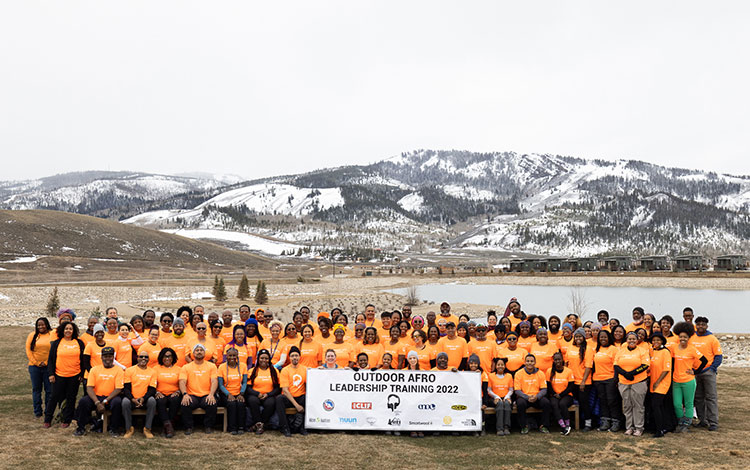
column 447, row 420
column 427, row 406
column 469, row 422
column 420, row 423
column 393, row 402
column 371, row 421
column 361, row 405
column 318, row 420
column 458, row 407
column 394, row 422
column 348, row 420
column 328, row 405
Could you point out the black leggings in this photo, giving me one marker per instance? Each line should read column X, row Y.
column 560, row 407
column 269, row 407
column 608, row 398
column 170, row 403
column 658, row 410
column 65, row 389
column 583, row 398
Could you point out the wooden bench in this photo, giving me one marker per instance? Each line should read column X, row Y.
column 572, row 408
column 142, row 412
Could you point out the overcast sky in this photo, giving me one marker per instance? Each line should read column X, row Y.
column 265, row 88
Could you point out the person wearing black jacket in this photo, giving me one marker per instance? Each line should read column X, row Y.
column 139, row 379
column 65, row 371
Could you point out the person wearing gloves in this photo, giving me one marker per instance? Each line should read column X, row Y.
column 139, row 389
column 500, row 391
column 530, row 387
column 198, row 384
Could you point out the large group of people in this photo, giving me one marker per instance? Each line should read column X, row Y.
column 650, row 374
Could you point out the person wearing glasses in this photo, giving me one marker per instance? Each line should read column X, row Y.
column 139, row 388
column 201, row 330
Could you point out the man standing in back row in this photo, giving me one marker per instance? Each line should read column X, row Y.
column 706, row 397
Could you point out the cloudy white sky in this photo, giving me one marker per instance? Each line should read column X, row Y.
column 264, row 88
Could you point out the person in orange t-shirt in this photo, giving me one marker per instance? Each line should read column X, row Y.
column 167, row 389
column 395, row 347
column 482, row 347
column 560, row 387
column 580, row 360
column 37, row 351
column 151, row 346
column 139, row 389
column 514, row 355
column 292, row 380
column 706, row 398
column 310, row 349
column 526, row 338
column 455, row 347
column 371, row 347
column 232, row 387
column 263, row 387
column 345, row 355
column 65, row 372
column 218, row 342
column 177, row 341
column 105, row 383
column 631, row 365
column 660, row 378
column 198, row 384
column 543, row 350
column 605, row 381
column 687, row 362
column 530, row 386
column 500, row 391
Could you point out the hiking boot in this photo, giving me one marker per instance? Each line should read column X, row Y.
column 507, row 431
column 168, row 430
column 604, row 425
column 188, row 431
column 543, row 430
column 658, row 434
column 129, row 433
column 615, row 425
column 208, row 430
column 286, row 432
column 147, row 432
column 713, row 427
column 525, row 430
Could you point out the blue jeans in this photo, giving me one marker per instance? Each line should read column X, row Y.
column 39, row 379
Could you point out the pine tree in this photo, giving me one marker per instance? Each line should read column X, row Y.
column 243, row 291
column 261, row 295
column 215, row 289
column 221, row 291
column 53, row 304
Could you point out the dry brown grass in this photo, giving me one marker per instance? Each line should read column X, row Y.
column 27, row 444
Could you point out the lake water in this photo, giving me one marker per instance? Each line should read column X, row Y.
column 728, row 311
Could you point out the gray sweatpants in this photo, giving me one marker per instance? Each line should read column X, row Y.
column 706, row 398
column 633, row 398
column 502, row 414
column 127, row 412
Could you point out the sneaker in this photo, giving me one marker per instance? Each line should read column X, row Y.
column 46, row 425
column 615, row 426
column 234, row 433
column 586, row 429
column 500, row 433
column 566, row 431
column 286, row 432
column 637, row 433
column 303, row 432
column 188, row 431
column 113, row 433
column 507, row 431
column 629, row 432
column 208, row 431
column 713, row 427
column 543, row 430
column 525, row 430
column 79, row 432
column 658, row 434
column 604, row 424
column 129, row 433
column 65, row 425
column 259, row 428
column 147, row 432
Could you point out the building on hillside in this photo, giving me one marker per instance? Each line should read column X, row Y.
column 585, row 264
column 688, row 263
column 556, row 264
column 516, row 266
column 730, row 263
column 618, row 263
column 654, row 263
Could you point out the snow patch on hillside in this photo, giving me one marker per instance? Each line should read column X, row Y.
column 248, row 241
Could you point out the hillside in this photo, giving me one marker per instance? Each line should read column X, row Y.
column 39, row 239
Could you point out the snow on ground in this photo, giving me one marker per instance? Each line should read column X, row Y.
column 468, row 192
column 272, row 198
column 201, row 295
column 23, row 259
column 4, row 298
column 249, row 241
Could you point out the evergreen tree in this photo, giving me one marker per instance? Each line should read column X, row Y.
column 243, row 291
column 53, row 304
column 215, row 289
column 261, row 295
column 221, row 291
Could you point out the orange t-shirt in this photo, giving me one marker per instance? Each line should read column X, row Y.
column 673, row 341
column 167, row 379
column 563, row 345
column 685, row 359
column 396, row 350
column 708, row 345
column 294, row 379
column 263, row 381
column 178, row 345
column 104, row 380
column 94, row 351
column 630, row 360
column 140, row 380
column 85, row 337
column 632, row 327
column 311, row 354
column 68, row 363
column 661, row 361
column 244, row 352
column 374, row 353
column 604, row 363
column 153, row 351
column 485, row 350
column 198, row 377
column 218, row 352
column 40, row 354
column 530, row 384
column 543, row 355
column 554, row 337
column 226, row 333
column 561, row 379
column 123, row 351
column 276, row 349
column 514, row 322
column 384, row 334
column 210, row 348
column 577, row 366
column 526, row 342
column 344, row 353
column 456, row 349
column 232, row 377
column 425, row 356
column 516, row 358
column 500, row 386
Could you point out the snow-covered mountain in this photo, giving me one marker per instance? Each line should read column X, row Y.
column 453, row 201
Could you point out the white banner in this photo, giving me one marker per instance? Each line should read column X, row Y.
column 393, row 400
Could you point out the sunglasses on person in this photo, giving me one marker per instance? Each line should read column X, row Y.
column 267, row 316
column 200, row 328
column 166, row 320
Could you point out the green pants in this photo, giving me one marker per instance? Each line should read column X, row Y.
column 683, row 395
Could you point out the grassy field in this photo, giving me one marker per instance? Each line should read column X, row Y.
column 27, row 444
